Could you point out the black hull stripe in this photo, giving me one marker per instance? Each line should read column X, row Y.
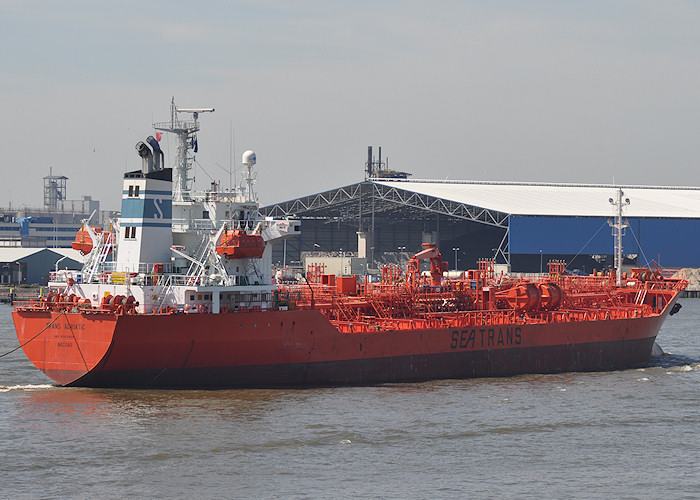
column 604, row 356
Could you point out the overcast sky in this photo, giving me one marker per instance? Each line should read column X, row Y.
column 556, row 91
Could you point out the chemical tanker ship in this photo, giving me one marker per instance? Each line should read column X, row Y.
column 180, row 292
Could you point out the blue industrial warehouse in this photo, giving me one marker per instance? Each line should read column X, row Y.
column 521, row 225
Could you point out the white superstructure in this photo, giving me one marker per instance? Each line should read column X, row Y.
column 177, row 249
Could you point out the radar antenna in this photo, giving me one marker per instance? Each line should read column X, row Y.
column 249, row 161
column 186, row 132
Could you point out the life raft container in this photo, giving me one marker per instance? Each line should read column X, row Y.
column 238, row 244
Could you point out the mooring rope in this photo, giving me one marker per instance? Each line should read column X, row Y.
column 35, row 336
column 639, row 246
column 568, row 264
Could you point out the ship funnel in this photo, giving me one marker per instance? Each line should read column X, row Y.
column 146, row 157
column 158, row 156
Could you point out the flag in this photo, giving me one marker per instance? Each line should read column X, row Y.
column 159, row 135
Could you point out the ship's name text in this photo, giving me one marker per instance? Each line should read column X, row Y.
column 58, row 326
column 486, row 337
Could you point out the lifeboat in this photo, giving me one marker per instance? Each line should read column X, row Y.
column 83, row 241
column 238, row 244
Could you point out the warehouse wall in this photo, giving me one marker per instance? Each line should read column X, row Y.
column 40, row 264
column 670, row 242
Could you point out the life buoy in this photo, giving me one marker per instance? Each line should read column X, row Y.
column 203, row 308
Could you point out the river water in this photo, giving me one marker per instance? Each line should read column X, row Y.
column 626, row 434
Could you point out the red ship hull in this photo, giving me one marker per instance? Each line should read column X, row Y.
column 303, row 348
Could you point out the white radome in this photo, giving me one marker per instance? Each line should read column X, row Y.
column 249, row 158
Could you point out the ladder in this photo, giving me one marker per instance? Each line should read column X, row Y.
column 641, row 295
column 96, row 262
column 168, row 285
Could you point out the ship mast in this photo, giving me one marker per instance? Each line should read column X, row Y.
column 618, row 230
column 249, row 161
column 186, row 132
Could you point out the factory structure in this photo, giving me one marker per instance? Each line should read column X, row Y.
column 33, row 240
column 54, row 224
column 521, row 225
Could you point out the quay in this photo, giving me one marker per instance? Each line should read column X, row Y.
column 9, row 294
column 692, row 274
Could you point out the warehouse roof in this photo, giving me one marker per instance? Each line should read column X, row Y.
column 524, row 198
column 14, row 254
column 69, row 253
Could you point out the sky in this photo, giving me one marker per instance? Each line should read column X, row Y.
column 539, row 91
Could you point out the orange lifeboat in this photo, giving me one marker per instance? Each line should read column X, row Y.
column 83, row 241
column 238, row 244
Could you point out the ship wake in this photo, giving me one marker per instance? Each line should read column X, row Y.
column 29, row 387
column 678, row 362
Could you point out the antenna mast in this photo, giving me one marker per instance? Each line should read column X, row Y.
column 186, row 132
column 249, row 161
column 618, row 231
